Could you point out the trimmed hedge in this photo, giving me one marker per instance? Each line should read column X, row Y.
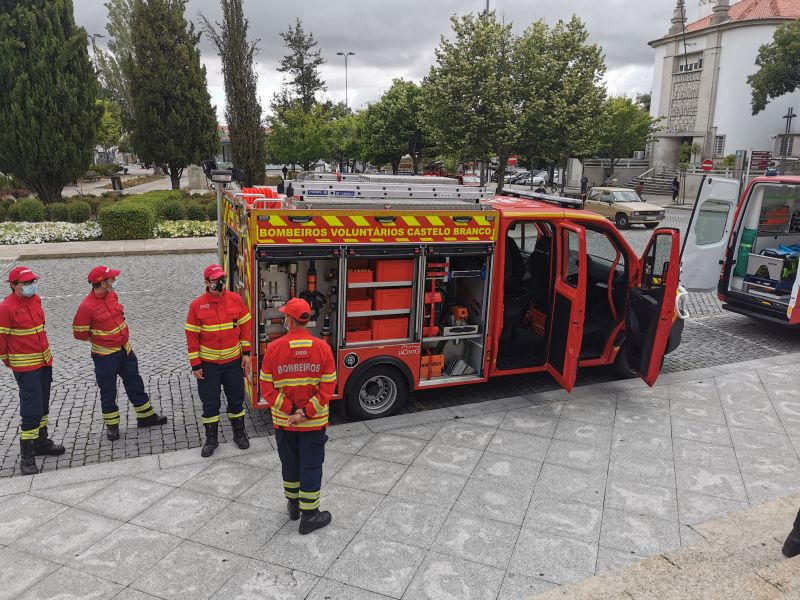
column 79, row 211
column 159, row 201
column 172, row 210
column 212, row 211
column 104, row 170
column 57, row 211
column 127, row 221
column 13, row 212
column 3, row 211
column 31, row 211
column 196, row 212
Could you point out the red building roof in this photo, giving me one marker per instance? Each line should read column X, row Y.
column 754, row 10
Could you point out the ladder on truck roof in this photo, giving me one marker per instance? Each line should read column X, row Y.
column 315, row 190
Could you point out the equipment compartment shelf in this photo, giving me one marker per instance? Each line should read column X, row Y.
column 379, row 313
column 445, row 338
column 379, row 284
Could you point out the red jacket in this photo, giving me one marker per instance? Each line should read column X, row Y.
column 298, row 372
column 102, row 320
column 215, row 329
column 23, row 341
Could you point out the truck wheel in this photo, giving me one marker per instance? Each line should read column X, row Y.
column 651, row 225
column 622, row 221
column 378, row 392
column 621, row 366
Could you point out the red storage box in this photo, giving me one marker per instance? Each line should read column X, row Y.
column 393, row 299
column 359, row 305
column 394, row 270
column 358, row 334
column 360, row 276
column 390, row 329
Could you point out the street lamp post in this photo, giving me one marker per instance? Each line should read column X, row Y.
column 346, row 55
column 789, row 116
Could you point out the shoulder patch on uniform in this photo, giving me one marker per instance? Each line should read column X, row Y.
column 301, row 343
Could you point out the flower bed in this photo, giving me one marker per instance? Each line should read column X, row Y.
column 40, row 233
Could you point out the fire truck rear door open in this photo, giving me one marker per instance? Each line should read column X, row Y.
column 569, row 305
column 651, row 305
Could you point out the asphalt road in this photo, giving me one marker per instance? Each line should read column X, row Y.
column 156, row 292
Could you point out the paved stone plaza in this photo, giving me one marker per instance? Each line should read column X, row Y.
column 156, row 292
column 503, row 499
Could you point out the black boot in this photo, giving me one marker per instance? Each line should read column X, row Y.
column 313, row 519
column 154, row 420
column 112, row 432
column 239, row 434
column 294, row 508
column 791, row 547
column 47, row 447
column 212, row 440
column 27, row 454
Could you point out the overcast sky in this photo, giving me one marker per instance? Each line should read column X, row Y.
column 397, row 38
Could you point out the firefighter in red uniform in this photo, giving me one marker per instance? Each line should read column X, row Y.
column 219, row 352
column 298, row 379
column 25, row 349
column 101, row 320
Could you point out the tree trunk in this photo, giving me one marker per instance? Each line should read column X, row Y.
column 48, row 189
column 395, row 167
column 502, row 161
column 415, row 163
column 175, row 173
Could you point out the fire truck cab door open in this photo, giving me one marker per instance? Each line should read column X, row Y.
column 708, row 234
column 569, row 305
column 651, row 305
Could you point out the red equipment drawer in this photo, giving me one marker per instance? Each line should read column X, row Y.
column 390, row 329
column 393, row 299
column 360, row 276
column 359, row 305
column 357, row 334
column 394, row 270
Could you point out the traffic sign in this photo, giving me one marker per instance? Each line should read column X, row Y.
column 707, row 164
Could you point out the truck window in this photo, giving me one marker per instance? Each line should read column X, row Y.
column 525, row 234
column 657, row 262
column 711, row 222
column 571, row 251
column 599, row 246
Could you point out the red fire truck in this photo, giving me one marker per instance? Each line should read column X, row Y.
column 421, row 286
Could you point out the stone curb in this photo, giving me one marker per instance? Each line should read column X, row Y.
column 116, row 248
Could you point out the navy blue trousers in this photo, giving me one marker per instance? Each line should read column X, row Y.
column 34, row 400
column 125, row 366
column 302, row 454
column 228, row 376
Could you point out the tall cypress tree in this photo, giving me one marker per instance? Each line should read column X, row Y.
column 48, row 116
column 242, row 109
column 174, row 124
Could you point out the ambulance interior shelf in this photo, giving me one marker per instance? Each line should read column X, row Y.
column 769, row 246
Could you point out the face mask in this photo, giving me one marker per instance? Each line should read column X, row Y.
column 114, row 285
column 218, row 285
column 29, row 290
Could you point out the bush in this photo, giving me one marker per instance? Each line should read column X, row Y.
column 212, row 211
column 12, row 213
column 104, row 170
column 196, row 212
column 57, row 211
column 79, row 211
column 31, row 210
column 159, row 200
column 127, row 221
column 172, row 210
column 3, row 212
column 94, row 203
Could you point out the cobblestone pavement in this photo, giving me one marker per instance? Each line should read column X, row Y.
column 156, row 291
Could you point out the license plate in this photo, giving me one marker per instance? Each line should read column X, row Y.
column 651, row 218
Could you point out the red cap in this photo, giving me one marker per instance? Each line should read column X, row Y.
column 101, row 273
column 298, row 309
column 21, row 274
column 213, row 272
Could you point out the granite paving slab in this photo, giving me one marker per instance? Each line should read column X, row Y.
column 513, row 443
column 502, row 501
column 443, row 577
column 313, row 553
column 393, row 448
column 642, row 498
column 68, row 583
column 562, row 482
column 405, row 521
column 369, row 474
column 181, row 512
column 522, row 587
column 565, row 518
column 710, row 482
column 454, row 460
column 503, row 468
column 578, row 456
column 580, row 432
column 22, row 513
column 429, row 486
column 630, row 467
column 477, row 539
column 257, row 580
column 642, row 534
column 225, row 479
column 240, row 528
column 327, row 589
column 125, row 498
column 553, row 558
column 531, row 422
column 19, row 571
column 465, row 435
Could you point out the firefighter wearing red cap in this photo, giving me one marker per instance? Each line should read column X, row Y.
column 101, row 320
column 25, row 349
column 297, row 380
column 219, row 352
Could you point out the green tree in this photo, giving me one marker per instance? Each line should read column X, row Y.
column 343, row 139
column 468, row 105
column 627, row 127
column 174, row 124
column 242, row 108
column 112, row 64
column 644, row 100
column 560, row 89
column 109, row 130
column 48, row 116
column 778, row 66
column 297, row 136
column 302, row 67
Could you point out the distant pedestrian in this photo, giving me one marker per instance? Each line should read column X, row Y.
column 584, row 185
column 24, row 348
column 285, row 171
column 676, row 187
column 541, row 189
column 639, row 189
column 101, row 320
column 298, row 380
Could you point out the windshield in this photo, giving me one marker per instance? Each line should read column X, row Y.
column 627, row 197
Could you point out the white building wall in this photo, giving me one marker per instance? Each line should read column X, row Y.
column 733, row 116
column 658, row 75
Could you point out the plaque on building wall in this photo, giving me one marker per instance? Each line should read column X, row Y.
column 683, row 103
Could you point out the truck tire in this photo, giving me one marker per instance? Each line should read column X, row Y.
column 622, row 221
column 379, row 391
column 621, row 366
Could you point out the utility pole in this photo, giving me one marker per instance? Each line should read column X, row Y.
column 346, row 55
column 789, row 116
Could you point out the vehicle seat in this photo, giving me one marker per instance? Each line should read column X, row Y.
column 515, row 268
column 516, row 297
column 540, row 270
